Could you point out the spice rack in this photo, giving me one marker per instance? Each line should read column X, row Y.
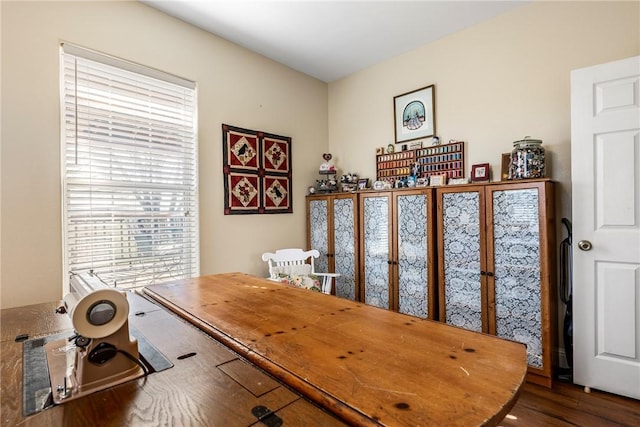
column 446, row 159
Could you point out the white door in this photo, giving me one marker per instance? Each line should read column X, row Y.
column 605, row 156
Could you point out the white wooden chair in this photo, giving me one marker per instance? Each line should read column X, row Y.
column 290, row 265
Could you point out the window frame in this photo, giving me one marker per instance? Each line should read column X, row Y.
column 191, row 221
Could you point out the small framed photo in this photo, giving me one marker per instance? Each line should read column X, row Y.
column 379, row 151
column 438, row 180
column 363, row 183
column 480, row 172
column 348, row 188
column 422, row 182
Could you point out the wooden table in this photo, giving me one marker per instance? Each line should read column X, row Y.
column 367, row 365
column 214, row 387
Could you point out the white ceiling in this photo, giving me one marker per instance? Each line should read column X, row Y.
column 332, row 39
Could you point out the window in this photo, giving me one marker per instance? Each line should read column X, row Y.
column 129, row 165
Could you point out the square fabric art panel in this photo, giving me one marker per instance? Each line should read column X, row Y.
column 276, row 194
column 257, row 172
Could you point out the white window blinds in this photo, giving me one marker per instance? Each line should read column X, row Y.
column 129, row 167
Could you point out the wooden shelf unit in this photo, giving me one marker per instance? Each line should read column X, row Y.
column 394, row 165
column 446, row 159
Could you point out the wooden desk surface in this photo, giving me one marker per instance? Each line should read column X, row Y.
column 367, row 365
column 212, row 388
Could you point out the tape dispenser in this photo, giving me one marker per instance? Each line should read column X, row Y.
column 101, row 354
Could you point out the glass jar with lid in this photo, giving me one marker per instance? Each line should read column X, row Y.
column 527, row 159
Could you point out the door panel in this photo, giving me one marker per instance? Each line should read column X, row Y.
column 413, row 252
column 605, row 156
column 461, row 236
column 516, row 268
column 376, row 211
column 344, row 244
column 319, row 232
column 617, row 95
column 616, row 166
column 616, row 296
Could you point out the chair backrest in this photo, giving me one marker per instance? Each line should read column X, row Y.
column 288, row 258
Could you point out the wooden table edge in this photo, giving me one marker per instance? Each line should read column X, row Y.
column 307, row 389
column 299, row 384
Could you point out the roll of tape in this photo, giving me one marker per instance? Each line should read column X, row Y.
column 100, row 313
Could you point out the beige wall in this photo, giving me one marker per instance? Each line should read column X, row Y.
column 495, row 82
column 235, row 86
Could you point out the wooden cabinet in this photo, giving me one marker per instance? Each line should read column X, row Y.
column 496, row 264
column 332, row 229
column 479, row 256
column 397, row 251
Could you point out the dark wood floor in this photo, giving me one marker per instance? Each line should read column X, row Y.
column 568, row 405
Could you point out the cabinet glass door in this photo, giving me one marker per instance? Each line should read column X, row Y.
column 376, row 250
column 412, row 254
column 516, row 241
column 319, row 232
column 345, row 246
column 461, row 235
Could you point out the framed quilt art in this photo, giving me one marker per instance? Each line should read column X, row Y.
column 257, row 172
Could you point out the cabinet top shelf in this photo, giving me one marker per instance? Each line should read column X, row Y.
column 507, row 182
column 471, row 184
